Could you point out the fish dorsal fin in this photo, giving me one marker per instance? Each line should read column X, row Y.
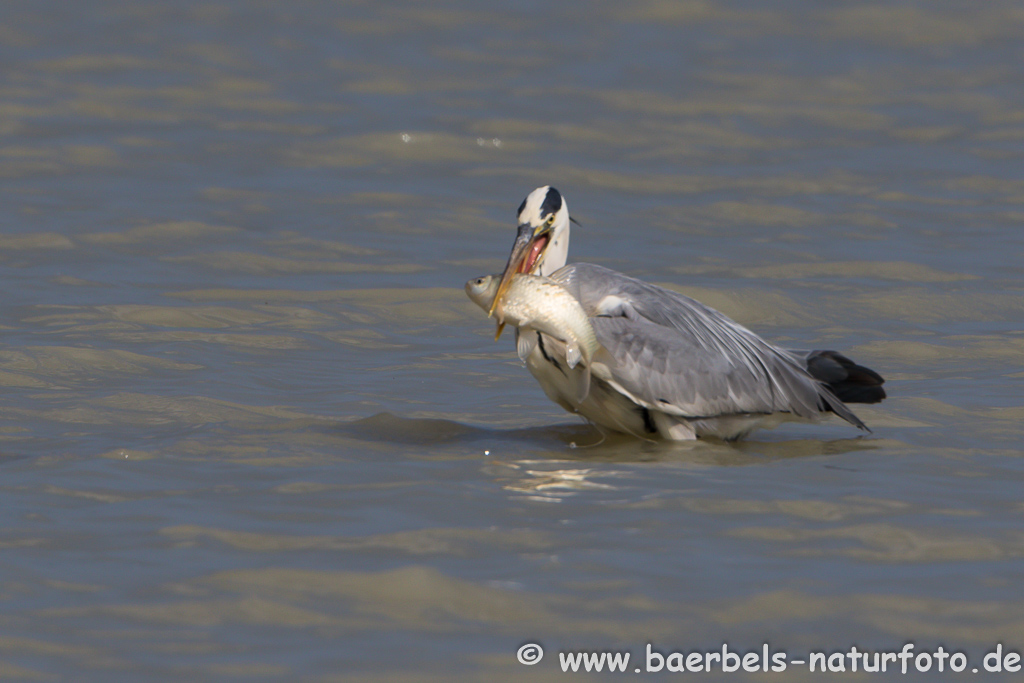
column 526, row 342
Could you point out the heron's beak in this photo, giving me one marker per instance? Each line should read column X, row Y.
column 520, row 250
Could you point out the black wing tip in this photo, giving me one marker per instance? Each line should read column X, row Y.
column 856, row 393
column 851, row 383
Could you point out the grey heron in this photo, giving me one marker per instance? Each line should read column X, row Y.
column 672, row 367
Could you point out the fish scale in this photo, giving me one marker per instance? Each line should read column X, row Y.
column 540, row 304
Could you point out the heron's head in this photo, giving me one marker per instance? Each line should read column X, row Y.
column 542, row 243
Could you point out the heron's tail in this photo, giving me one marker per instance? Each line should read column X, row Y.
column 851, row 383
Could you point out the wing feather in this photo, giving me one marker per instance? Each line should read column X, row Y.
column 673, row 353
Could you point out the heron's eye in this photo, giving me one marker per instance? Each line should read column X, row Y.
column 551, row 219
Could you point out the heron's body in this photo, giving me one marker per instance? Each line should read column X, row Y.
column 668, row 365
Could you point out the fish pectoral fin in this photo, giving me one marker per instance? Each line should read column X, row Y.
column 573, row 354
column 526, row 342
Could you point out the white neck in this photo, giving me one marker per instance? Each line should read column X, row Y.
column 557, row 252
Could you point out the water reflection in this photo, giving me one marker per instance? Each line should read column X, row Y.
column 583, row 442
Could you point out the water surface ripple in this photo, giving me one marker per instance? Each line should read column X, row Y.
column 252, row 429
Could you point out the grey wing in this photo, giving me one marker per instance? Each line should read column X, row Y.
column 675, row 354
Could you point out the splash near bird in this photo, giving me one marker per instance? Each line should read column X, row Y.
column 666, row 365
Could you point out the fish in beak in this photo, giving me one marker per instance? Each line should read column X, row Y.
column 526, row 255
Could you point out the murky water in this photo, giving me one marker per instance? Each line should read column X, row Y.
column 252, row 429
